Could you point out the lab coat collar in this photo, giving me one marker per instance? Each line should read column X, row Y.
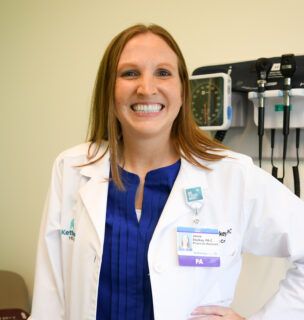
column 100, row 168
column 95, row 192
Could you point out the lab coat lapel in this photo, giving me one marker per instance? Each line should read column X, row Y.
column 189, row 176
column 94, row 193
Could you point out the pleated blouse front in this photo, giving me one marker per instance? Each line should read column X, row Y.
column 124, row 285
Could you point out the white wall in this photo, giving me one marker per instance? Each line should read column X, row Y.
column 50, row 51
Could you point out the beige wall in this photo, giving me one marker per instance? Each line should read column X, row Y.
column 49, row 55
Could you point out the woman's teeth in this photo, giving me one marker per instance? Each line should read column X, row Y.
column 148, row 108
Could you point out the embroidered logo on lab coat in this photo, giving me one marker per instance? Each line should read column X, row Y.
column 224, row 234
column 70, row 233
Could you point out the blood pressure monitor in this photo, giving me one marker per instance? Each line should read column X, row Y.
column 211, row 100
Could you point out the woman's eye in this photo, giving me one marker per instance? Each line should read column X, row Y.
column 129, row 74
column 163, row 73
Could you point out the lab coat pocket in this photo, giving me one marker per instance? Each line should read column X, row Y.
column 230, row 267
column 228, row 255
column 229, row 247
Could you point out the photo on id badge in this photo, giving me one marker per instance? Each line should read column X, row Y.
column 185, row 242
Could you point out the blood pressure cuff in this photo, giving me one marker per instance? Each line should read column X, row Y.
column 13, row 314
column 244, row 76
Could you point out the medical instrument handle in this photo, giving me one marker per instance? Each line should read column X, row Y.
column 287, row 68
column 272, row 141
column 261, row 117
column 261, row 112
column 296, row 179
column 286, row 121
column 295, row 169
column 272, row 138
column 263, row 66
column 298, row 138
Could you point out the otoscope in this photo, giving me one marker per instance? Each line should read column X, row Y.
column 288, row 68
column 263, row 66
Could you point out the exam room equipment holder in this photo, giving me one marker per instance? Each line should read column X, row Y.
column 243, row 74
column 274, row 107
column 241, row 135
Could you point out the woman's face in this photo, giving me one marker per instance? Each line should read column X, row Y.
column 148, row 90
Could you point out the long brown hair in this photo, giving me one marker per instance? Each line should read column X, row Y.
column 190, row 142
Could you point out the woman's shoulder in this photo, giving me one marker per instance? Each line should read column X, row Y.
column 231, row 163
column 79, row 150
column 82, row 152
column 239, row 166
column 237, row 158
column 86, row 159
column 230, row 158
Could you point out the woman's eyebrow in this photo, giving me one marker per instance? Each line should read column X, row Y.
column 127, row 65
column 135, row 65
column 166, row 65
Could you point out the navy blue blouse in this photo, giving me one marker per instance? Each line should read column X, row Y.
column 124, row 285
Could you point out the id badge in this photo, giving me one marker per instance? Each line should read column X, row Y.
column 198, row 247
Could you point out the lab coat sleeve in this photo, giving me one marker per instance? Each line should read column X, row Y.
column 48, row 298
column 275, row 227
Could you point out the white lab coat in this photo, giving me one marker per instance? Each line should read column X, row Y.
column 264, row 218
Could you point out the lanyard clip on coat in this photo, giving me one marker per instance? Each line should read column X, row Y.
column 194, row 199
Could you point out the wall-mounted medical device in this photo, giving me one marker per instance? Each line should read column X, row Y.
column 211, row 100
column 244, row 75
column 274, row 108
column 275, row 86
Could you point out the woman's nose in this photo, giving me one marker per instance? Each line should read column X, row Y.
column 146, row 86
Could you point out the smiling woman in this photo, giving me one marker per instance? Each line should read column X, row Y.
column 134, row 221
column 145, row 58
column 148, row 92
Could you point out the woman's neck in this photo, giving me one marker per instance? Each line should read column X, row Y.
column 142, row 156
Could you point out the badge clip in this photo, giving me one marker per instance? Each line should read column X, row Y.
column 194, row 199
column 196, row 219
